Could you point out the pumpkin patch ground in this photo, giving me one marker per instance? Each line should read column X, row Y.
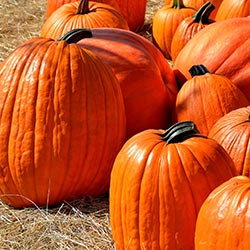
column 80, row 224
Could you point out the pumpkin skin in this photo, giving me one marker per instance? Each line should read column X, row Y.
column 225, row 208
column 146, row 79
column 232, row 132
column 56, row 142
column 233, row 8
column 232, row 52
column 157, row 187
column 207, row 97
column 189, row 27
column 165, row 22
column 81, row 14
column 132, row 10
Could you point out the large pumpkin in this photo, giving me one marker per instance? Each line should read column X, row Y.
column 81, row 14
column 232, row 131
column 223, row 220
column 62, row 123
column 133, row 10
column 147, row 81
column 158, row 183
column 222, row 50
column 206, row 97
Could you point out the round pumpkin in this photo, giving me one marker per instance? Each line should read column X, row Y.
column 146, row 79
column 206, row 97
column 165, row 22
column 62, row 123
column 81, row 14
column 232, row 131
column 159, row 181
column 223, row 220
column 222, row 50
column 189, row 27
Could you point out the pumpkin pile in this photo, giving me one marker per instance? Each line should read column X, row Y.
column 92, row 107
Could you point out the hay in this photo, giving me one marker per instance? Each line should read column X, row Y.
column 82, row 224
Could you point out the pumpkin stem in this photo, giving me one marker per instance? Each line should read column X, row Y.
column 178, row 4
column 83, row 7
column 197, row 70
column 180, row 131
column 202, row 15
column 75, row 35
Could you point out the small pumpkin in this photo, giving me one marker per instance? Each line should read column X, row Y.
column 62, row 122
column 206, row 97
column 232, row 131
column 81, row 14
column 189, row 27
column 165, row 22
column 222, row 50
column 159, row 181
column 225, row 209
column 146, row 79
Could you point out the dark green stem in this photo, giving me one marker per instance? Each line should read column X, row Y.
column 75, row 35
column 83, row 7
column 198, row 70
column 178, row 4
column 202, row 15
column 180, row 131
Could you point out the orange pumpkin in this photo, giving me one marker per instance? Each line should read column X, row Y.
column 81, row 14
column 158, row 183
column 233, row 8
column 189, row 27
column 62, row 123
column 223, row 220
column 207, row 97
column 232, row 131
column 165, row 23
column 146, row 79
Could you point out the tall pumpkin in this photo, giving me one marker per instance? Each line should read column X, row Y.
column 207, row 97
column 82, row 14
column 62, row 123
column 146, row 79
column 223, row 220
column 232, row 131
column 222, row 50
column 158, row 183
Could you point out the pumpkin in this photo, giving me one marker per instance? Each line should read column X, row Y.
column 189, row 27
column 225, row 209
column 165, row 22
column 146, row 79
column 132, row 10
column 222, row 50
column 81, row 14
column 233, row 8
column 62, row 123
column 206, row 97
column 198, row 3
column 159, row 181
column 232, row 131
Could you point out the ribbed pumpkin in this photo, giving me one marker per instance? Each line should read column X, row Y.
column 132, row 10
column 165, row 22
column 158, row 183
column 222, row 50
column 189, row 27
column 206, row 97
column 233, row 8
column 62, row 123
column 198, row 3
column 223, row 221
column 232, row 131
column 147, row 81
column 81, row 14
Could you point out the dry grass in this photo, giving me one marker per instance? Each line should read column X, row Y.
column 82, row 224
